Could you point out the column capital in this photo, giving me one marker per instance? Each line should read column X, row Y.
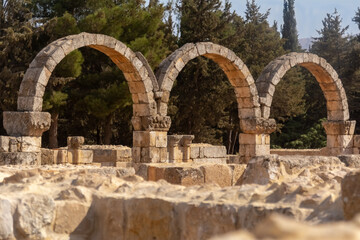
column 258, row 125
column 339, row 127
column 26, row 123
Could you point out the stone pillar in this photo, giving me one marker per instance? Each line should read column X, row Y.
column 179, row 148
column 255, row 139
column 23, row 145
column 340, row 137
column 150, row 139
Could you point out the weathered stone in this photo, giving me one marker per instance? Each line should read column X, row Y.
column 33, row 213
column 352, row 161
column 215, row 152
column 237, row 173
column 20, row 158
column 72, row 218
column 79, row 156
column 357, row 141
column 29, row 144
column 4, row 143
column 26, row 123
column 258, row 125
column 216, row 173
column 75, row 142
column 6, row 220
column 350, row 192
column 339, row 127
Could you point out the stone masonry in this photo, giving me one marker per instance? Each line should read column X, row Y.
column 150, row 95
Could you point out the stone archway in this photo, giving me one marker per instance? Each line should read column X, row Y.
column 256, row 129
column 30, row 121
column 339, row 130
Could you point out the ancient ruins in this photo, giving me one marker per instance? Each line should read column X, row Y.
column 117, row 192
column 150, row 95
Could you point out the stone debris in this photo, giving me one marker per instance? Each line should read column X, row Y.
column 88, row 202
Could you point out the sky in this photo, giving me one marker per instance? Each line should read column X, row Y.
column 309, row 13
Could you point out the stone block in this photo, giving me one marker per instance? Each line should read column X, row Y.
column 75, row 142
column 26, row 123
column 186, row 176
column 20, row 158
column 194, row 152
column 340, row 141
column 144, row 139
column 161, row 139
column 357, row 141
column 237, row 173
column 215, row 152
column 136, row 154
column 150, row 155
column 78, row 156
column 339, row 127
column 47, row 156
column 258, row 125
column 60, row 156
column 218, row 174
column 33, row 104
column 352, row 161
column 233, row 159
column 4, row 143
column 209, row 160
column 350, row 192
column 29, row 144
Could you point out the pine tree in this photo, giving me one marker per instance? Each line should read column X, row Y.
column 289, row 31
column 356, row 19
column 202, row 98
column 332, row 43
column 16, row 50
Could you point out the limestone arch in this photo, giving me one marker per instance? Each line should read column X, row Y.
column 234, row 68
column 326, row 76
column 140, row 78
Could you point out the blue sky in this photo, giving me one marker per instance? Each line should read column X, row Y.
column 309, row 13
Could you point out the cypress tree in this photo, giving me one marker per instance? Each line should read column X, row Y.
column 289, row 31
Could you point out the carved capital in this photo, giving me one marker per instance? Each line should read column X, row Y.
column 26, row 123
column 339, row 127
column 258, row 125
column 156, row 123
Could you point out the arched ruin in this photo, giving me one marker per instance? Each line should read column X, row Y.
column 234, row 68
column 255, row 138
column 339, row 130
column 151, row 94
column 30, row 121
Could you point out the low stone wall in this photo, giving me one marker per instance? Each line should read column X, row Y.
column 206, row 153
column 292, row 152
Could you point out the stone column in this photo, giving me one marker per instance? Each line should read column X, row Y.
column 150, row 139
column 340, row 137
column 179, row 148
column 23, row 145
column 255, row 139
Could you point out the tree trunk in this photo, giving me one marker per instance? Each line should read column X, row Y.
column 108, row 130
column 53, row 131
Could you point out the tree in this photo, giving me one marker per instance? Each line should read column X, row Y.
column 332, row 43
column 356, row 19
column 289, row 31
column 259, row 43
column 16, row 50
column 202, row 88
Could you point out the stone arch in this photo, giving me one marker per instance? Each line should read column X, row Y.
column 331, row 85
column 234, row 68
column 140, row 78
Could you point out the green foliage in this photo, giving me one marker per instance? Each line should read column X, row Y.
column 332, row 43
column 289, row 31
column 311, row 137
